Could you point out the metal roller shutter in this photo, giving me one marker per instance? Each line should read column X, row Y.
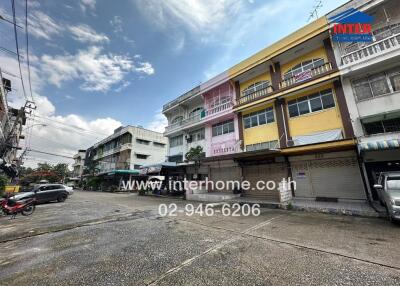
column 225, row 174
column 329, row 178
column 265, row 172
column 338, row 178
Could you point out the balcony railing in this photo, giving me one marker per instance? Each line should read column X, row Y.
column 217, row 109
column 374, row 49
column 306, row 75
column 256, row 94
column 185, row 122
column 114, row 150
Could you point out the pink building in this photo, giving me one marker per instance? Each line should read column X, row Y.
column 221, row 124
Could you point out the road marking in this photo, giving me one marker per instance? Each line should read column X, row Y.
column 317, row 249
column 211, row 249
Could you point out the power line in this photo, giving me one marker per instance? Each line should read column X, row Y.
column 70, row 125
column 49, row 153
column 16, row 43
column 27, row 48
column 69, row 129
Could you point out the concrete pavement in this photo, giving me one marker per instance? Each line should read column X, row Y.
column 119, row 239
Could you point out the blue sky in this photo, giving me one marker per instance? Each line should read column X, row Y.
column 98, row 64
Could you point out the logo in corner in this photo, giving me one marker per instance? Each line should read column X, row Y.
column 352, row 26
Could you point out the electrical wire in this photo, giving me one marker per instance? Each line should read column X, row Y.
column 17, row 46
column 69, row 156
column 71, row 125
column 27, row 48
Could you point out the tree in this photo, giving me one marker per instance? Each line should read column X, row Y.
column 194, row 154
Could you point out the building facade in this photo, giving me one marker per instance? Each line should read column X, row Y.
column 292, row 110
column 370, row 73
column 128, row 148
column 78, row 165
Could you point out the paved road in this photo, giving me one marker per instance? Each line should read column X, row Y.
column 119, row 239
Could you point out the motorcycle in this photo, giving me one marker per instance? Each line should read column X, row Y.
column 13, row 207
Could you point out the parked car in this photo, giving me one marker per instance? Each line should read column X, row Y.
column 69, row 189
column 388, row 189
column 45, row 193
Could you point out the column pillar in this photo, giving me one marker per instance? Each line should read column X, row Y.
column 344, row 111
column 282, row 122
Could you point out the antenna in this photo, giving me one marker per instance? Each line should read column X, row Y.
column 314, row 12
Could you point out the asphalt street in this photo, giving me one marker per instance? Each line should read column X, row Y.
column 120, row 239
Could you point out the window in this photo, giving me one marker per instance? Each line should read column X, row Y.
column 255, row 87
column 177, row 119
column 143, row 142
column 195, row 111
column 259, row 118
column 377, row 84
column 197, row 135
column 176, row 141
column 158, row 144
column 223, row 128
column 219, row 100
column 141, row 156
column 303, row 66
column 262, row 146
column 311, row 103
column 383, row 126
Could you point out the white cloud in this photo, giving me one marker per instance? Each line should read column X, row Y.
column 98, row 71
column 116, row 23
column 57, row 137
column 158, row 123
column 200, row 17
column 145, row 67
column 42, row 25
column 84, row 33
column 87, row 4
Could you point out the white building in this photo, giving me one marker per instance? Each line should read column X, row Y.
column 79, row 162
column 128, row 148
column 371, row 82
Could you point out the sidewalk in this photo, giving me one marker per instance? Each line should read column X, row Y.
column 351, row 208
column 355, row 208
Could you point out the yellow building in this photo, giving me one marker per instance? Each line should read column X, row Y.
column 294, row 118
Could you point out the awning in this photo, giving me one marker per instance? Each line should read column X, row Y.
column 380, row 145
column 133, row 172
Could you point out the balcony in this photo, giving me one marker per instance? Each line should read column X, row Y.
column 265, row 90
column 216, row 110
column 184, row 123
column 120, row 148
column 306, row 75
column 375, row 49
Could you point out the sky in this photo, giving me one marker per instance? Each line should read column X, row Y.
column 95, row 65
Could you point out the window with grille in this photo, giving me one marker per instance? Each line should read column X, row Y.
column 262, row 146
column 176, row 141
column 383, row 126
column 255, row 87
column 259, row 118
column 197, row 135
column 377, row 84
column 177, row 119
column 303, row 66
column 311, row 103
column 223, row 128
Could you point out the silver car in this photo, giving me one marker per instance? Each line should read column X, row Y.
column 388, row 188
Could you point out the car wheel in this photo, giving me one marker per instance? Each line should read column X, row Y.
column 61, row 198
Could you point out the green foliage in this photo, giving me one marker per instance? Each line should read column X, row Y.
column 3, row 183
column 93, row 183
column 194, row 154
column 44, row 171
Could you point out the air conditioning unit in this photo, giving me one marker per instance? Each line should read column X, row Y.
column 188, row 138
